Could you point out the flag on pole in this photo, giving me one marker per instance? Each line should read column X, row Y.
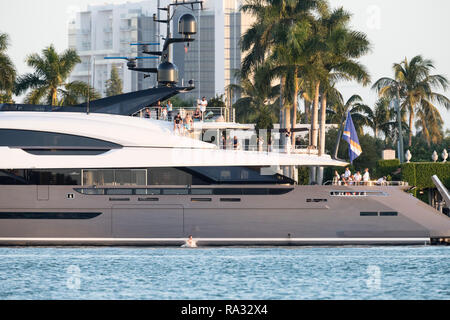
column 350, row 135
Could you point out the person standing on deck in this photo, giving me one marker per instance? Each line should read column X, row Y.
column 358, row 177
column 235, row 143
column 336, row 178
column 260, row 144
column 366, row 176
column 347, row 173
column 158, row 110
column 169, row 110
column 177, row 123
column 288, row 141
column 203, row 105
column 147, row 113
column 197, row 114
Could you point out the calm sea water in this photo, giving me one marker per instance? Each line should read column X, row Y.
column 226, row 273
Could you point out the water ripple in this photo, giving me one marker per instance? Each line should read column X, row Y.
column 225, row 273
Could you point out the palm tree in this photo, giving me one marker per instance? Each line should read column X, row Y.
column 7, row 71
column 258, row 96
column 381, row 117
column 277, row 35
column 414, row 84
column 339, row 49
column 49, row 79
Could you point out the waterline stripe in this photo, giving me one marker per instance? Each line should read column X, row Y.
column 220, row 239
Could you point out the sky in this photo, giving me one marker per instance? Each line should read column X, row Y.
column 397, row 29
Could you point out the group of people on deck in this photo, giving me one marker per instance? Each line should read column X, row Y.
column 348, row 178
column 162, row 112
column 182, row 121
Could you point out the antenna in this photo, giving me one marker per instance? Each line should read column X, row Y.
column 167, row 72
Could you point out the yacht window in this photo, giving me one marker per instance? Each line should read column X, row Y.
column 50, row 215
column 169, row 176
column 91, row 191
column 244, row 174
column 202, row 191
column 230, row 199
column 237, row 175
column 225, row 191
column 388, row 213
column 52, row 177
column 119, row 191
column 148, row 199
column 316, row 200
column 148, row 191
column 175, row 191
column 368, row 214
column 201, row 199
column 225, row 175
column 51, row 140
column 115, row 177
column 65, row 152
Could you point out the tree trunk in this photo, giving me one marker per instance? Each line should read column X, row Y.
column 287, row 116
column 294, row 116
column 323, row 115
column 54, row 96
column 315, row 116
column 283, row 109
column 411, row 120
column 307, row 110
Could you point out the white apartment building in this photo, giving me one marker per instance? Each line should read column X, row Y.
column 220, row 27
column 107, row 31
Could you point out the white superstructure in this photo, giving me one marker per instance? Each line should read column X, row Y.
column 143, row 143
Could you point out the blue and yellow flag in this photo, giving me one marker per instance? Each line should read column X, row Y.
column 354, row 149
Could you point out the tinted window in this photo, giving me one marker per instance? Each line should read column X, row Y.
column 29, row 138
column 175, row 191
column 389, row 213
column 202, row 191
column 238, row 175
column 49, row 215
column 368, row 214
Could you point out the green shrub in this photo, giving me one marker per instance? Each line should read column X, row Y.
column 387, row 167
column 419, row 174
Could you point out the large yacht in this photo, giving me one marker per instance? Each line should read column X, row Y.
column 95, row 175
column 101, row 179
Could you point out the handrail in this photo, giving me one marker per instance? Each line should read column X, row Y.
column 368, row 183
column 156, row 112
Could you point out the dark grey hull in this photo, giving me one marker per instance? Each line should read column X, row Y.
column 307, row 215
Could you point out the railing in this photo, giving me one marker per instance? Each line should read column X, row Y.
column 210, row 115
column 367, row 183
